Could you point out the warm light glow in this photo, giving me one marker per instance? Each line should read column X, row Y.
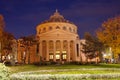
column 104, row 55
column 64, row 56
column 24, row 53
column 57, row 51
column 109, row 54
column 57, row 56
column 3, row 57
column 64, row 52
column 9, row 57
column 51, row 56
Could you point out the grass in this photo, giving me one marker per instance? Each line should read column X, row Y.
column 22, row 68
column 69, row 69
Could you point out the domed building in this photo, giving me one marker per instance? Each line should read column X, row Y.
column 58, row 40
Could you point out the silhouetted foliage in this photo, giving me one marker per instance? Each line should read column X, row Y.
column 92, row 46
column 26, row 43
column 5, row 38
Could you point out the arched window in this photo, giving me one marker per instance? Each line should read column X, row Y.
column 44, row 49
column 44, row 29
column 57, row 27
column 58, row 45
column 51, row 50
column 39, row 31
column 37, row 49
column 70, row 29
column 74, row 30
column 65, row 45
column 71, row 49
column 51, row 46
column 50, row 28
column 77, row 46
column 64, row 28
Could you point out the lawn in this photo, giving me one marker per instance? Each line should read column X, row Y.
column 15, row 69
column 103, row 70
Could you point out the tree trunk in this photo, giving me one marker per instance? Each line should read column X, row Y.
column 28, row 56
column 86, row 59
column 81, row 58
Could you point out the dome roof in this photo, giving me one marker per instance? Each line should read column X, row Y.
column 56, row 17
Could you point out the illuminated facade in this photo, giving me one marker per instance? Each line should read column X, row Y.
column 58, row 39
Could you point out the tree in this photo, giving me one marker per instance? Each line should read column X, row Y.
column 2, row 24
column 27, row 42
column 5, row 38
column 92, row 47
column 6, row 45
column 109, row 34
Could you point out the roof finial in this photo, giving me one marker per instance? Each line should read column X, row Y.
column 56, row 11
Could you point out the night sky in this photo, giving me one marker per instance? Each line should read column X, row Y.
column 22, row 16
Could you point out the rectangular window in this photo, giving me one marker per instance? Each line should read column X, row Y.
column 77, row 50
column 64, row 51
column 64, row 56
column 51, row 56
column 57, row 56
column 37, row 49
column 57, row 51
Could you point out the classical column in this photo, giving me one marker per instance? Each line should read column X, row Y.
column 47, row 54
column 68, row 52
column 75, row 51
column 40, row 48
column 54, row 54
column 80, row 58
column 61, row 50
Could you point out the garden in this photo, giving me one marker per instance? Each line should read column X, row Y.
column 61, row 72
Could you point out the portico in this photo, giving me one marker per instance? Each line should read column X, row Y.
column 58, row 39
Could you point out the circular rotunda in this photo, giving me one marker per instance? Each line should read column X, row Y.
column 58, row 39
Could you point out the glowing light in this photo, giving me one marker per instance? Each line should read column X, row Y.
column 9, row 57
column 57, row 56
column 63, row 51
column 104, row 55
column 109, row 54
column 51, row 56
column 57, row 51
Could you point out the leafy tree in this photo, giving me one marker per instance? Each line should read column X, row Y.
column 2, row 24
column 5, row 38
column 109, row 34
column 7, row 45
column 92, row 47
column 27, row 42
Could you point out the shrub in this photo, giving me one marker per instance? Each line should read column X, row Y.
column 47, row 63
column 75, row 62
column 53, row 63
column 4, row 73
column 37, row 63
column 7, row 63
